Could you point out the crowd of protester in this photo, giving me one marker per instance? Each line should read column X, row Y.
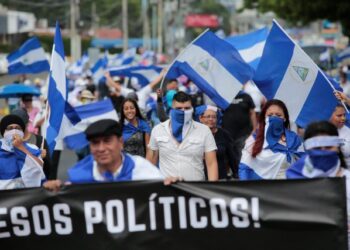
column 173, row 133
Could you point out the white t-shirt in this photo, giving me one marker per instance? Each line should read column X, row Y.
column 186, row 159
column 344, row 133
column 142, row 95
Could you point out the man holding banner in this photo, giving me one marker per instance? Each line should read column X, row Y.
column 107, row 162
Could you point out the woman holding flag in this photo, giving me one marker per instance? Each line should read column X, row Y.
column 136, row 131
column 273, row 148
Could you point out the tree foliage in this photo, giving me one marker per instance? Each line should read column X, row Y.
column 303, row 12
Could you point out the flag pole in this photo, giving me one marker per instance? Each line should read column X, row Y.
column 46, row 110
column 330, row 84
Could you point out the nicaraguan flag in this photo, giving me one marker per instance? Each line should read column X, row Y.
column 30, row 58
column 343, row 54
column 125, row 58
column 287, row 73
column 78, row 67
column 325, row 56
column 143, row 74
column 88, row 113
column 61, row 114
column 98, row 70
column 250, row 46
column 215, row 66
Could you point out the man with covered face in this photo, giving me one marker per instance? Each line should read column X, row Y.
column 181, row 144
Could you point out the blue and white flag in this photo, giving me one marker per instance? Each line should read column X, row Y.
column 77, row 68
column 345, row 54
column 143, row 74
column 61, row 114
column 30, row 58
column 250, row 46
column 125, row 58
column 98, row 70
column 88, row 113
column 181, row 122
column 215, row 66
column 287, row 73
column 325, row 56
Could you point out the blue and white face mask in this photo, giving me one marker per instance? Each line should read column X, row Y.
column 323, row 160
column 8, row 137
column 274, row 129
column 180, row 123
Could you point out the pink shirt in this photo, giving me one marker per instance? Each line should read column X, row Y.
column 32, row 115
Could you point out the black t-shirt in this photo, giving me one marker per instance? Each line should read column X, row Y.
column 236, row 119
column 224, row 154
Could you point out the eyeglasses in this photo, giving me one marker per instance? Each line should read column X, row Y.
column 209, row 116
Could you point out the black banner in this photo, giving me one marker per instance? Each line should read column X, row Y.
column 298, row 214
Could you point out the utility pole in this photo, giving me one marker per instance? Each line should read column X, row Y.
column 93, row 17
column 75, row 41
column 154, row 22
column 125, row 24
column 146, row 29
column 160, row 26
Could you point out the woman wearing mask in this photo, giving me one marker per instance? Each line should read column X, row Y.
column 136, row 131
column 338, row 119
column 20, row 162
column 273, row 148
column 323, row 157
column 210, row 116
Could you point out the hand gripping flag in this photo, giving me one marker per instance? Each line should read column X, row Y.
column 287, row 73
column 30, row 58
column 215, row 66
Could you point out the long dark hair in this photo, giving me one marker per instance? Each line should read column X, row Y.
column 260, row 135
column 323, row 128
column 122, row 115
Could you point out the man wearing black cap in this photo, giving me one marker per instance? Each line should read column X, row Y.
column 107, row 162
column 20, row 163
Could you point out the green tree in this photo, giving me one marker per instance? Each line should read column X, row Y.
column 303, row 12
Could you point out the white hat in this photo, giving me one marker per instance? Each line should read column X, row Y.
column 87, row 94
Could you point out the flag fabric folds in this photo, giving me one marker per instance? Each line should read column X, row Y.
column 88, row 113
column 214, row 66
column 61, row 114
column 30, row 58
column 143, row 74
column 287, row 73
column 250, row 46
column 344, row 54
column 98, row 69
column 77, row 68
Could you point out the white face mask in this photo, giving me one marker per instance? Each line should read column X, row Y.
column 8, row 136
